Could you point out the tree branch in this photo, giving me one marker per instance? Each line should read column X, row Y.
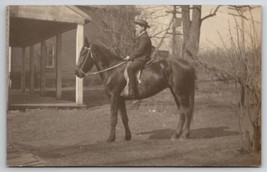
column 159, row 16
column 238, row 15
column 154, row 35
column 211, row 14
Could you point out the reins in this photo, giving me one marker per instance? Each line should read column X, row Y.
column 101, row 71
column 104, row 70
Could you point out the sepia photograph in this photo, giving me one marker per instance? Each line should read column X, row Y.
column 134, row 85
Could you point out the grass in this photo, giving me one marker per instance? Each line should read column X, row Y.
column 77, row 137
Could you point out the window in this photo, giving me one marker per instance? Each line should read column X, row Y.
column 50, row 56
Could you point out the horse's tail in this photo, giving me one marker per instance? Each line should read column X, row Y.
column 192, row 96
column 183, row 67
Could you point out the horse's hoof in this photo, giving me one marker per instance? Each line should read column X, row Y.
column 174, row 137
column 184, row 136
column 109, row 140
column 128, row 138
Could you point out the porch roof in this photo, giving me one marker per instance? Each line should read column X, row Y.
column 32, row 24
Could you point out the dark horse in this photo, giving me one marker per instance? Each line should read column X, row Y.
column 175, row 74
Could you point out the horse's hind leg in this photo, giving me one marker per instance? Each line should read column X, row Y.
column 186, row 112
column 180, row 125
column 189, row 106
column 124, row 118
column 182, row 102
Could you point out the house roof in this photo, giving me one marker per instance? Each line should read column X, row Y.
column 32, row 24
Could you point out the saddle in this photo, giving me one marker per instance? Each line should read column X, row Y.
column 125, row 91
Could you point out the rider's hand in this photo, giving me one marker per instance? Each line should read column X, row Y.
column 127, row 58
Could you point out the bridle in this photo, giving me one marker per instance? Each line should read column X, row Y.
column 89, row 51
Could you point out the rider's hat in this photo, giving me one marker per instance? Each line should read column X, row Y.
column 142, row 23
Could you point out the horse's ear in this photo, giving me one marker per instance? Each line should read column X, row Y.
column 86, row 43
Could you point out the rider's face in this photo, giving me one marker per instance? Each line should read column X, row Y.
column 139, row 29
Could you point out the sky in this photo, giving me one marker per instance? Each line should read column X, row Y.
column 221, row 24
column 211, row 28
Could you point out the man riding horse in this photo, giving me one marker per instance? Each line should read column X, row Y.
column 140, row 56
column 174, row 73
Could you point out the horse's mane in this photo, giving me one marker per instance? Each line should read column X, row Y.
column 106, row 50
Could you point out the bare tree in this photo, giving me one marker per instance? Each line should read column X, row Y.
column 247, row 72
column 191, row 28
column 115, row 23
column 243, row 66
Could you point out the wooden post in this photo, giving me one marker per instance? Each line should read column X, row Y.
column 42, row 67
column 9, row 81
column 176, row 22
column 79, row 81
column 23, row 69
column 31, row 70
column 161, row 41
column 58, row 66
column 174, row 31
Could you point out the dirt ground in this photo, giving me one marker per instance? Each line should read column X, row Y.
column 77, row 137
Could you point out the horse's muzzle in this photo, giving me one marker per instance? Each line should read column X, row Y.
column 79, row 73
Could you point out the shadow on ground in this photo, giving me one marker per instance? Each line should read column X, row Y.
column 201, row 133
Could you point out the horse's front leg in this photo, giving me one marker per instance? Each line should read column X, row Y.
column 113, row 118
column 124, row 118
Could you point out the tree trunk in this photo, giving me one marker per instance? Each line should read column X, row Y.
column 256, row 138
column 186, row 26
column 191, row 30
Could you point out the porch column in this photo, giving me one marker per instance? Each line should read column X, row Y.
column 31, row 70
column 58, row 66
column 9, row 81
column 79, row 44
column 23, row 69
column 42, row 67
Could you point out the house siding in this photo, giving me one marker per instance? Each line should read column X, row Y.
column 92, row 32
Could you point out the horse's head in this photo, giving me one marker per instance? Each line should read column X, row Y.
column 86, row 60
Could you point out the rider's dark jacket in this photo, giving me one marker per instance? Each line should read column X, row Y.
column 142, row 48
